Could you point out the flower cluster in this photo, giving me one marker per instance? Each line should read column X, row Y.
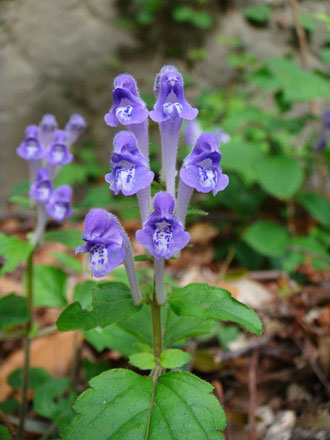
column 162, row 232
column 46, row 148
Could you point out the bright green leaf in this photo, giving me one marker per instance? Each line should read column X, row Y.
column 112, row 302
column 50, row 401
column 69, row 237
column 37, row 377
column 260, row 13
column 318, row 206
column 240, row 156
column 267, row 238
column 205, row 302
column 174, row 358
column 325, row 55
column 68, row 261
column 117, row 407
column 144, row 361
column 280, row 176
column 14, row 251
column 49, row 286
column 13, row 310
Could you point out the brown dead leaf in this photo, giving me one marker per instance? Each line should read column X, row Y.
column 203, row 233
column 54, row 353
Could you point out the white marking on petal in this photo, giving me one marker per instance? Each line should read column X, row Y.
column 43, row 192
column 31, row 150
column 162, row 237
column 58, row 153
column 60, row 210
column 98, row 258
column 168, row 107
column 207, row 177
column 124, row 113
column 125, row 178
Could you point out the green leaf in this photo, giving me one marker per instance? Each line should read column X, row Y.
column 14, row 251
column 37, row 377
column 227, row 334
column 69, row 237
column 204, row 302
column 9, row 406
column 49, row 400
column 280, row 176
column 259, row 14
column 20, row 200
column 13, row 310
column 307, row 22
column 117, row 407
column 112, row 302
column 174, row 358
column 240, row 156
column 144, row 361
column 318, row 206
column 68, row 261
column 4, row 433
column 196, row 212
column 325, row 55
column 92, row 369
column 267, row 238
column 49, row 286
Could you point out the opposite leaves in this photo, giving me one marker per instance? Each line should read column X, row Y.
column 119, row 406
column 204, row 302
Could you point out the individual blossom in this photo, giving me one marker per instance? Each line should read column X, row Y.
column 162, row 232
column 30, row 149
column 59, row 204
column 169, row 111
column 47, row 129
column 108, row 247
column 201, row 171
column 42, row 188
column 129, row 110
column 58, row 153
column 322, row 141
column 75, row 126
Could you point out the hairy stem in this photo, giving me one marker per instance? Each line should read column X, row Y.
column 156, row 329
column 27, row 340
column 144, row 198
column 159, row 281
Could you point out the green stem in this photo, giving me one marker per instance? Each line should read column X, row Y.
column 156, row 328
column 27, row 340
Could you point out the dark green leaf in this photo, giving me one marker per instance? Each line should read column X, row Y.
column 174, row 358
column 280, row 176
column 4, row 433
column 49, row 400
column 49, row 286
column 144, row 361
column 112, row 302
column 69, row 237
column 267, row 238
column 92, row 369
column 37, row 377
column 118, row 404
column 318, row 206
column 13, row 310
column 9, row 406
column 14, row 251
column 259, row 13
column 205, row 302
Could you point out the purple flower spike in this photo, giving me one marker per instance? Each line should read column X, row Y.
column 75, row 126
column 130, row 170
column 30, row 148
column 201, row 169
column 42, row 188
column 47, row 129
column 171, row 101
column 58, row 152
column 128, row 108
column 59, row 205
column 104, row 241
column 162, row 232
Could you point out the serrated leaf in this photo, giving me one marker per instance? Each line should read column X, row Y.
column 117, row 407
column 69, row 237
column 37, row 377
column 280, row 176
column 205, row 302
column 144, row 361
column 111, row 302
column 13, row 310
column 13, row 250
column 318, row 206
column 49, row 286
column 267, row 238
column 174, row 358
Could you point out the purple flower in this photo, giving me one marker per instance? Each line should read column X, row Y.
column 223, row 138
column 162, row 232
column 47, row 129
column 192, row 131
column 74, row 128
column 128, row 108
column 30, row 148
column 326, row 119
column 171, row 101
column 130, row 170
column 104, row 242
column 201, row 169
column 59, row 205
column 58, row 152
column 42, row 188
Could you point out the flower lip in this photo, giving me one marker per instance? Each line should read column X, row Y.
column 59, row 204
column 58, row 152
column 30, row 148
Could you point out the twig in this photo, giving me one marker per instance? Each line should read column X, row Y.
column 4, row 419
column 253, row 394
